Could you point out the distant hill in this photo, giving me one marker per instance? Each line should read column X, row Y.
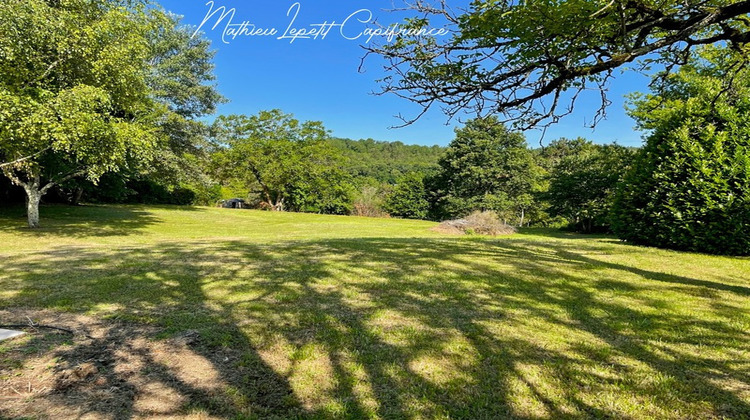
column 385, row 161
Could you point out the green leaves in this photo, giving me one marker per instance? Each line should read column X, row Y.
column 287, row 162
column 530, row 60
column 583, row 182
column 486, row 167
column 690, row 187
column 75, row 84
column 408, row 199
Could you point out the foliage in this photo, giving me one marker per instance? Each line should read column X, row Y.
column 369, row 202
column 180, row 77
column 90, row 87
column 89, row 103
column 486, row 167
column 583, row 181
column 285, row 161
column 530, row 60
column 689, row 189
column 384, row 162
column 408, row 199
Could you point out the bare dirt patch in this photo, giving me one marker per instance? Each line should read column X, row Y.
column 108, row 369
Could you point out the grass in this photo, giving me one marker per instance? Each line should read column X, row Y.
column 343, row 317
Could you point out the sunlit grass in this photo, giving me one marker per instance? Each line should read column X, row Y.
column 383, row 318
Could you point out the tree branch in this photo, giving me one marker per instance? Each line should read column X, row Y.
column 510, row 58
column 67, row 177
column 23, row 159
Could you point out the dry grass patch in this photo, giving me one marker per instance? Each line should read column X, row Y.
column 477, row 223
column 109, row 369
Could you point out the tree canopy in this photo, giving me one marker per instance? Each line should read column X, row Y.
column 530, row 60
column 91, row 87
column 486, row 167
column 287, row 162
column 582, row 182
column 74, row 98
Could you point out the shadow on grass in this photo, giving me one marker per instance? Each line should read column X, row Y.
column 566, row 234
column 82, row 221
column 412, row 328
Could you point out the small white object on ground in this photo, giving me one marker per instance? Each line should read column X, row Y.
column 6, row 334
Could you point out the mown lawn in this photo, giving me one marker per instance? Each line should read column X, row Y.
column 308, row 316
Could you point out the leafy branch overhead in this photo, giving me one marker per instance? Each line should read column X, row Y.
column 530, row 60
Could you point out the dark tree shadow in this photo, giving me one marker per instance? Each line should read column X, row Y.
column 408, row 328
column 79, row 221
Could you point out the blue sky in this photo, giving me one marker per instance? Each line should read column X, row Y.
column 318, row 79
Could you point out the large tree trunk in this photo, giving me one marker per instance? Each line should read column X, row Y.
column 34, row 190
column 32, row 205
column 76, row 199
column 279, row 206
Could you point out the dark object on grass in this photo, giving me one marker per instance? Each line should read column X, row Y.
column 187, row 338
column 38, row 326
column 235, row 203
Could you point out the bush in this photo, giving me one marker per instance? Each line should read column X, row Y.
column 583, row 183
column 477, row 223
column 689, row 189
column 690, row 194
column 369, row 203
column 408, row 199
column 182, row 197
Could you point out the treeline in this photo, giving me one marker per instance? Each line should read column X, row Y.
column 276, row 162
column 385, row 162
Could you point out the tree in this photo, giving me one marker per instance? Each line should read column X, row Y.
column 486, row 167
column 583, row 182
column 182, row 78
column 689, row 188
column 74, row 99
column 530, row 60
column 289, row 162
column 408, row 199
column 321, row 184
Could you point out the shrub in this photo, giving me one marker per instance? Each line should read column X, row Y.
column 182, row 197
column 583, row 183
column 408, row 198
column 688, row 193
column 689, row 189
column 369, row 203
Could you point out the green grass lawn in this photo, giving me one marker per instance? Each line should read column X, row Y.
column 344, row 317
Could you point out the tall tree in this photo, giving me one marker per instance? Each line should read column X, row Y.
column 74, row 99
column 486, row 167
column 582, row 184
column 288, row 161
column 182, row 78
column 408, row 199
column 689, row 188
column 530, row 60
